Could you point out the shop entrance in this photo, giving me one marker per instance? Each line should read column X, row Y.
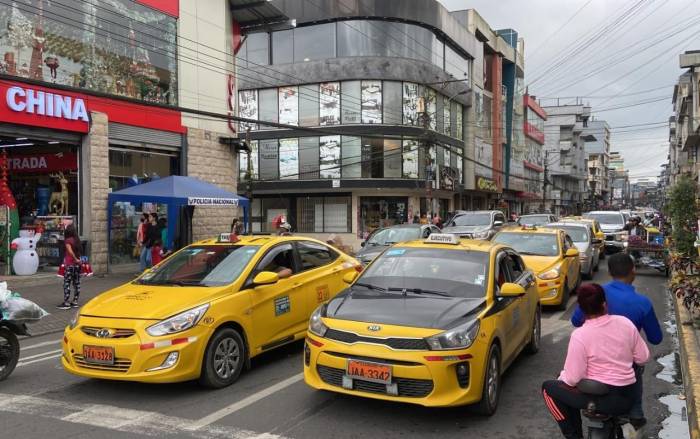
column 44, row 178
column 378, row 212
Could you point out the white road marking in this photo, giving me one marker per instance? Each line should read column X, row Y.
column 239, row 405
column 121, row 419
column 27, row 363
column 42, row 344
column 39, row 355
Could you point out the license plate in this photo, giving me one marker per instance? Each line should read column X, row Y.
column 98, row 354
column 379, row 373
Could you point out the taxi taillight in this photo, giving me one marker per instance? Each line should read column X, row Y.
column 358, row 268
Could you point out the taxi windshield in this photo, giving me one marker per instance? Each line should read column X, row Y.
column 203, row 266
column 534, row 220
column 445, row 272
column 577, row 234
column 538, row 244
column 393, row 235
column 607, row 218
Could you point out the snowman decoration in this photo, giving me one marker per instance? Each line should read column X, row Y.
column 26, row 261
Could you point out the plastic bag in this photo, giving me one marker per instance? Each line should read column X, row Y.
column 23, row 310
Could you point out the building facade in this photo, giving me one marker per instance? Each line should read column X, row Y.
column 685, row 123
column 533, row 162
column 91, row 104
column 565, row 158
column 619, row 181
column 598, row 153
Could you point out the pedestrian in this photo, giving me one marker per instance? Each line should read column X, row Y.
column 71, row 263
column 423, row 218
column 437, row 221
column 623, row 300
column 152, row 238
column 145, row 256
column 416, row 219
column 604, row 349
column 158, row 248
column 236, row 226
column 285, row 229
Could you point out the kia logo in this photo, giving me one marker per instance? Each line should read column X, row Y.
column 103, row 333
column 374, row 328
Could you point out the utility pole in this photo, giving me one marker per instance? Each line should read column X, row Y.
column 249, row 182
column 544, row 180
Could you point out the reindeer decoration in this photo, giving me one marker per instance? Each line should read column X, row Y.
column 59, row 198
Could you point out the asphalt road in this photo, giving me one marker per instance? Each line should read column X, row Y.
column 271, row 400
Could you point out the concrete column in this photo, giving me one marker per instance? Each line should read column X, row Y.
column 94, row 155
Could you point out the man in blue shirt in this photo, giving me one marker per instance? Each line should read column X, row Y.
column 623, row 300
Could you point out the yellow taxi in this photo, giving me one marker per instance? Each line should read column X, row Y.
column 433, row 322
column 205, row 311
column 552, row 255
column 597, row 231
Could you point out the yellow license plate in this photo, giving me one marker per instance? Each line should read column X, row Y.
column 364, row 370
column 98, row 354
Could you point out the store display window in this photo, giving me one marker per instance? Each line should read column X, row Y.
column 378, row 212
column 129, row 167
column 126, row 217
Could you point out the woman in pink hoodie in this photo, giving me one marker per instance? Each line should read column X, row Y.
column 604, row 349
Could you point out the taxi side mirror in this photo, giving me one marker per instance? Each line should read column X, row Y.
column 350, row 277
column 363, row 243
column 266, row 278
column 497, row 223
column 572, row 253
column 511, row 290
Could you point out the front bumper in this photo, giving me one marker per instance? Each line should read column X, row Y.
column 136, row 355
column 427, row 378
column 551, row 292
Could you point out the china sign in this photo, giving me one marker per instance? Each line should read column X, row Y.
column 38, row 106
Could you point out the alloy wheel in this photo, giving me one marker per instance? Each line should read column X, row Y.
column 226, row 358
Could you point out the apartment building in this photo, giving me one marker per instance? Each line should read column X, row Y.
column 684, row 135
column 598, row 156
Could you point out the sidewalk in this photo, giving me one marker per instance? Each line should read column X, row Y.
column 50, row 293
column 689, row 341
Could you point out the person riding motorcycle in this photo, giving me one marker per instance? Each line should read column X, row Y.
column 604, row 349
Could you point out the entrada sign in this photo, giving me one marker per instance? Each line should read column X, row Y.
column 31, row 101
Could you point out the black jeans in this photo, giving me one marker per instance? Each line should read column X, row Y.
column 565, row 404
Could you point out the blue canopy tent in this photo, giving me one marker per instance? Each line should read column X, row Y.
column 175, row 191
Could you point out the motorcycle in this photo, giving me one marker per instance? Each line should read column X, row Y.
column 9, row 345
column 600, row 425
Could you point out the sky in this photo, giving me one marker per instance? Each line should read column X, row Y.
column 634, row 61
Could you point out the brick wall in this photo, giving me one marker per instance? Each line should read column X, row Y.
column 212, row 162
column 95, row 153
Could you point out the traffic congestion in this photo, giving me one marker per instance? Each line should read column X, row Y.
column 421, row 315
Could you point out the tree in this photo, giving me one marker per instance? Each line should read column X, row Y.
column 682, row 208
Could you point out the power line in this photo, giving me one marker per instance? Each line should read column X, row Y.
column 569, row 20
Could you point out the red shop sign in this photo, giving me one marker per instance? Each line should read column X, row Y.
column 42, row 163
column 41, row 106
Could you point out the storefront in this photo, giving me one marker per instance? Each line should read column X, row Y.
column 378, row 212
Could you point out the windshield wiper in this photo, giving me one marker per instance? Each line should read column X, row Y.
column 530, row 254
column 369, row 286
column 420, row 291
column 183, row 283
column 388, row 243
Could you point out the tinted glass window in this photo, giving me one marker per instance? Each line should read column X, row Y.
column 455, row 272
column 308, row 157
column 393, row 99
column 472, row 219
column 269, row 159
column 540, row 244
column 308, row 105
column 351, row 150
column 351, row 102
column 314, row 255
column 283, row 47
column 267, row 107
column 277, row 259
column 314, row 42
column 392, row 158
column 534, row 220
column 257, row 48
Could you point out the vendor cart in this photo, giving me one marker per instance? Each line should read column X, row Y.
column 650, row 252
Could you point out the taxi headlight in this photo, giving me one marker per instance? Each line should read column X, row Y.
column 316, row 325
column 178, row 323
column 550, row 274
column 460, row 337
column 74, row 321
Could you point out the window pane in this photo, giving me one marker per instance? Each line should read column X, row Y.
column 456, row 65
column 267, row 107
column 336, row 215
column 352, row 157
column 269, row 159
column 314, row 42
column 459, row 121
column 289, row 105
column 392, row 103
column 257, row 48
column 330, row 103
column 308, row 105
column 440, row 114
column 392, row 158
column 283, row 47
column 456, row 109
column 314, row 255
column 371, row 102
column 243, row 162
column 248, row 108
column 410, row 158
column 431, row 107
column 308, row 157
column 351, row 102
column 289, row 159
column 447, row 116
column 330, row 157
column 372, row 158
column 410, row 103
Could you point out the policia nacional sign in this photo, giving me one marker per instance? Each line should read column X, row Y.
column 206, row 201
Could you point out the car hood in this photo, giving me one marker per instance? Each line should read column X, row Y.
column 134, row 301
column 465, row 229
column 539, row 264
column 421, row 311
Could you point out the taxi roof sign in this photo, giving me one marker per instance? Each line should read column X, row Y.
column 228, row 237
column 442, row 238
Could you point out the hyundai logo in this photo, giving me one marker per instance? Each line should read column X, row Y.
column 103, row 333
column 374, row 328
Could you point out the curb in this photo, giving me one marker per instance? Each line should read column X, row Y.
column 690, row 365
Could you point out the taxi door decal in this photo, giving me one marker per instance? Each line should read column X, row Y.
column 322, row 293
column 282, row 305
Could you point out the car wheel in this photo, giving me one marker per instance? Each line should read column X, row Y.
column 224, row 359
column 9, row 352
column 564, row 296
column 536, row 334
column 492, row 384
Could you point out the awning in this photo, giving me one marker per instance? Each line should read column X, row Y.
column 256, row 13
